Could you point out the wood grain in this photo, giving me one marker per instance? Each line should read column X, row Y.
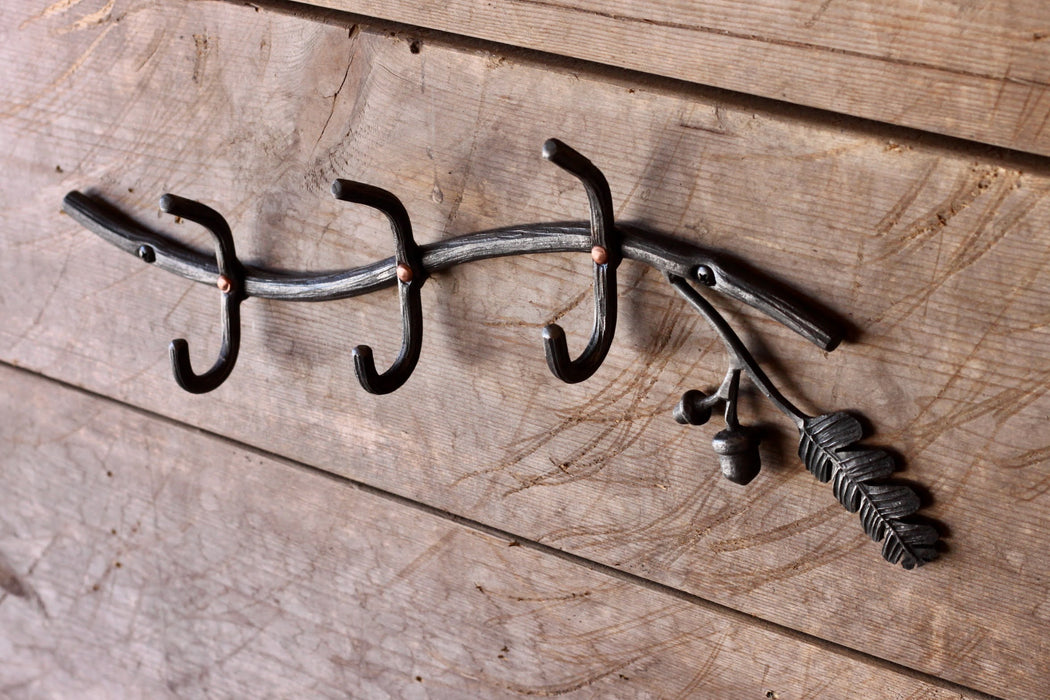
column 935, row 252
column 978, row 70
column 142, row 558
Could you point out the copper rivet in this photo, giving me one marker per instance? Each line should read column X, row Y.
column 404, row 272
column 224, row 284
column 599, row 255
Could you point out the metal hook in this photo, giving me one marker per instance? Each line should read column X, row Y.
column 605, row 252
column 410, row 278
column 230, row 283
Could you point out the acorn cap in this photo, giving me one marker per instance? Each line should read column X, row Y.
column 733, row 441
column 738, row 456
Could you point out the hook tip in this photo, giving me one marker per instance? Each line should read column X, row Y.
column 371, row 381
column 363, row 355
column 181, row 368
column 553, row 333
column 557, row 351
column 365, row 366
column 179, row 348
column 551, row 147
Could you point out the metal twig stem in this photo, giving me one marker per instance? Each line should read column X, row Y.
column 740, row 357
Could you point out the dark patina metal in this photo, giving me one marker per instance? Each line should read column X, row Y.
column 409, row 274
column 828, row 448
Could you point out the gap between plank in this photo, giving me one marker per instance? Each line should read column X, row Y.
column 477, row 526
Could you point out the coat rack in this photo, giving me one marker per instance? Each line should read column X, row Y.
column 827, row 442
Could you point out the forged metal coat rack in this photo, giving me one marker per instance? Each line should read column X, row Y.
column 827, row 442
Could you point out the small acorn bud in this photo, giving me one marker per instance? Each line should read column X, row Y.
column 737, row 450
column 690, row 409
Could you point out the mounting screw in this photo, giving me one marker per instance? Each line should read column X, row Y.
column 705, row 275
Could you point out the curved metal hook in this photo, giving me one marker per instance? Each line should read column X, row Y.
column 230, row 283
column 410, row 277
column 606, row 254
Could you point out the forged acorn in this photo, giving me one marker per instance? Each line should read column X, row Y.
column 737, row 450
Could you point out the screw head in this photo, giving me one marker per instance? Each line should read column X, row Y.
column 224, row 284
column 147, row 253
column 599, row 255
column 404, row 272
column 705, row 275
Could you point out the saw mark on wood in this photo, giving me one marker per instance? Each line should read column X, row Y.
column 1034, row 97
column 155, row 43
column 52, row 9
column 554, row 316
column 968, row 188
column 1038, row 457
column 658, row 538
column 815, row 17
column 52, row 87
column 118, row 284
column 893, row 216
column 828, row 550
column 435, row 550
column 1012, row 399
column 970, row 249
column 778, row 533
column 178, row 302
column 624, row 425
column 621, row 427
column 721, row 127
column 1009, row 401
column 1028, row 458
column 690, row 690
column 95, row 18
column 591, row 655
column 56, row 283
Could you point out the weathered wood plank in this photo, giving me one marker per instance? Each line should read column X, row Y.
column 141, row 558
column 979, row 70
column 937, row 254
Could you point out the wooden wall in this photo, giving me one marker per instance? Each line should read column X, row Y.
column 488, row 531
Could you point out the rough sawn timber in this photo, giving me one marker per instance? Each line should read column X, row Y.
column 142, row 558
column 935, row 251
column 978, row 69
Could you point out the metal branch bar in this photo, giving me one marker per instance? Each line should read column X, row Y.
column 827, row 442
column 668, row 255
